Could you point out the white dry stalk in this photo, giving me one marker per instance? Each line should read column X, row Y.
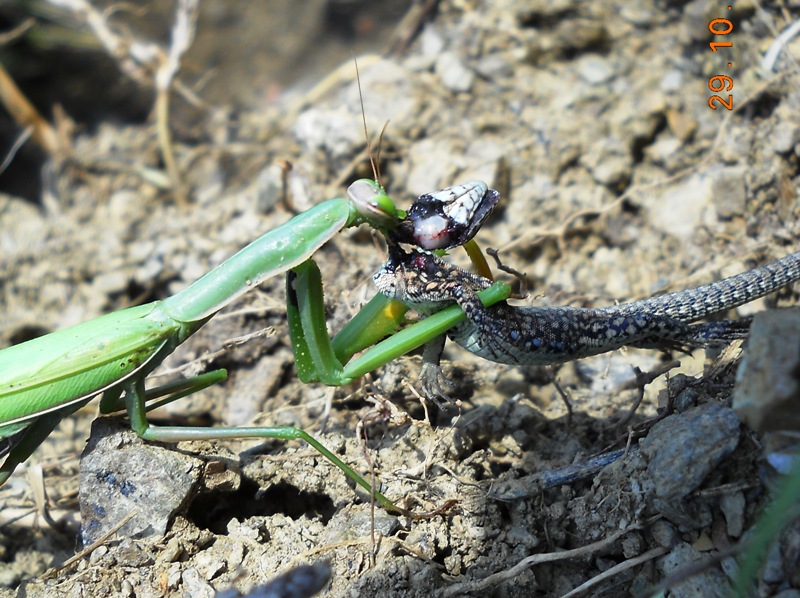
column 148, row 64
column 777, row 46
column 135, row 58
column 138, row 59
column 182, row 37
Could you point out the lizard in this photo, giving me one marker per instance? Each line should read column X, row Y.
column 550, row 335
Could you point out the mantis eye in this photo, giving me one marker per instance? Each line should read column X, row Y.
column 372, row 203
column 450, row 217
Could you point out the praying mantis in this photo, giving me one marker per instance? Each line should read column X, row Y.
column 48, row 378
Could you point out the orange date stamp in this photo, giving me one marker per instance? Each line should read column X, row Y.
column 719, row 83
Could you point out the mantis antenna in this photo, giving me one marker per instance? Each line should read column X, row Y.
column 374, row 162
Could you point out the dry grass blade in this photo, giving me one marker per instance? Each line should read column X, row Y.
column 24, row 113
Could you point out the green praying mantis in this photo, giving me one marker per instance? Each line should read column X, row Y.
column 48, row 378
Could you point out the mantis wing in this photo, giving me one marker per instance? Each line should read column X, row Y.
column 66, row 366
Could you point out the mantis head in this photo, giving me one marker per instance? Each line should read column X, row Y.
column 373, row 204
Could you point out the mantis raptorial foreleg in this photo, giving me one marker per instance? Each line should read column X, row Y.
column 320, row 359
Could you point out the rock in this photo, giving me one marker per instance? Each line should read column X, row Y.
column 732, row 506
column 681, row 124
column 121, row 474
column 784, row 139
column 767, row 392
column 709, row 583
column 683, row 449
column 682, row 208
column 595, row 70
column 730, row 194
column 453, row 74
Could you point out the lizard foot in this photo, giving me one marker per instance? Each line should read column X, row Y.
column 435, row 386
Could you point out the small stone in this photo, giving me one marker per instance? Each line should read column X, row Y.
column 595, row 70
column 683, row 449
column 773, row 572
column 613, row 171
column 664, row 533
column 431, row 42
column 209, row 565
column 122, row 474
column 784, row 139
column 520, row 535
column 684, row 207
column 672, row 81
column 663, row 149
column 248, row 530
column 172, row 551
column 268, row 187
column 353, row 522
column 495, row 66
column 730, row 195
column 709, row 583
column 632, row 545
column 110, row 283
column 638, row 14
column 453, row 74
column 132, row 554
column 22, row 224
column 222, row 476
column 194, row 585
column 98, row 554
column 681, row 124
column 126, row 588
column 686, row 399
column 732, row 506
column 767, row 388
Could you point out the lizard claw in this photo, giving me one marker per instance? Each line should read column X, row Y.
column 435, row 385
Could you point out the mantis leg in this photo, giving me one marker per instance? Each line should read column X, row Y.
column 135, row 401
column 172, row 391
column 318, row 359
column 25, row 442
column 28, row 439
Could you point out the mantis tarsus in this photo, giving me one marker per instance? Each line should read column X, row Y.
column 48, row 378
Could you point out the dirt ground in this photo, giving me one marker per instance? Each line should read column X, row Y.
column 617, row 180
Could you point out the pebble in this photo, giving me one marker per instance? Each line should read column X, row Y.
column 595, row 70
column 767, row 388
column 686, row 399
column 708, row 583
column 682, row 208
column 120, row 473
column 784, row 139
column 664, row 533
column 495, row 66
column 730, row 195
column 732, row 506
column 683, row 449
column 194, row 585
column 773, row 572
column 672, row 81
column 453, row 74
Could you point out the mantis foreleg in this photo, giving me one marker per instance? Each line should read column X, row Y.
column 317, row 358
